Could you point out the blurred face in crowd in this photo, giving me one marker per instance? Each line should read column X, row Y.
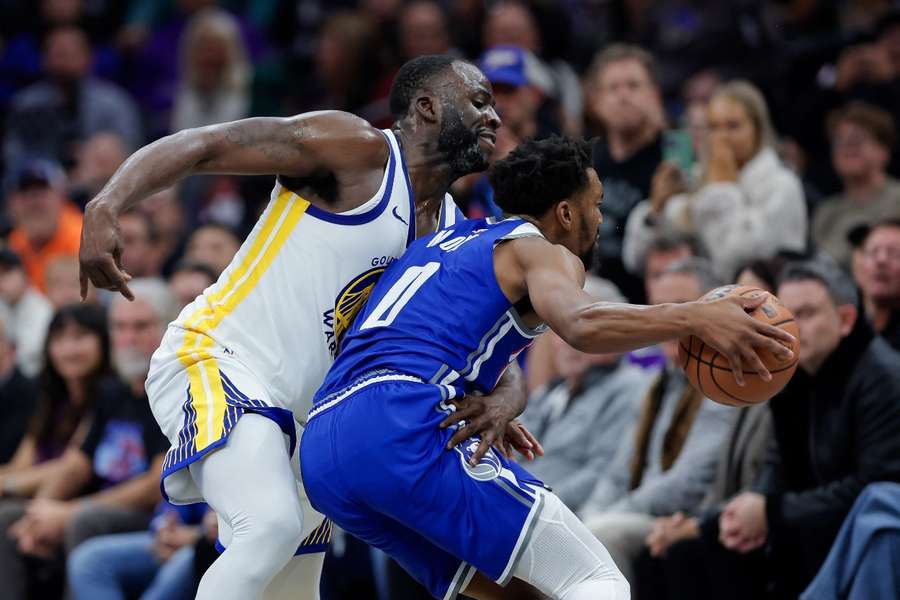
column 67, row 55
column 749, row 278
column 511, row 24
column 626, row 99
column 889, row 43
column 821, row 322
column 213, row 246
column 187, row 284
column 62, row 11
column 855, row 153
column 138, row 251
column 135, row 333
column 880, row 266
column 74, row 351
column 676, row 288
column 658, row 261
column 36, row 211
column 61, row 281
column 423, row 30
column 571, row 363
column 98, row 159
column 13, row 284
column 517, row 106
column 728, row 119
column 209, row 57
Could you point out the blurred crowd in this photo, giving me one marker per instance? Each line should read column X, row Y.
column 750, row 141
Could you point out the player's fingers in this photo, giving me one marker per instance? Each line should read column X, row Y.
column 734, row 360
column 517, row 436
column 469, row 430
column 123, row 288
column 755, row 363
column 535, row 444
column 83, row 280
column 488, row 438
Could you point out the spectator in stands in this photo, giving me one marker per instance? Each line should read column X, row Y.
column 668, row 461
column 666, row 247
column 878, row 277
column 865, row 557
column 423, row 29
column 213, row 245
column 623, row 94
column 157, row 564
column 748, row 205
column 835, row 430
column 861, row 140
column 63, row 286
column 674, row 541
column 31, row 313
column 45, row 224
column 215, row 74
column 108, row 483
column 95, row 162
column 140, row 248
column 76, row 361
column 52, row 116
column 512, row 23
column 18, row 395
column 170, row 224
column 188, row 281
column 592, row 394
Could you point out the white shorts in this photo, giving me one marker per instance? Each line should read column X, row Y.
column 198, row 405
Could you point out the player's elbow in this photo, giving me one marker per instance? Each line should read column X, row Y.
column 576, row 331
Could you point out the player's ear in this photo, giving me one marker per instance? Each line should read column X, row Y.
column 563, row 212
column 427, row 108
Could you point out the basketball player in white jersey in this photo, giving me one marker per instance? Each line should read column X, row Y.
column 233, row 380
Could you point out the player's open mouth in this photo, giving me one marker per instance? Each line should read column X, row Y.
column 489, row 138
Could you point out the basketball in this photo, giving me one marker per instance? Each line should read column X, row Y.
column 711, row 374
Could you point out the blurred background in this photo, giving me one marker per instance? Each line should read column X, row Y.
column 733, row 138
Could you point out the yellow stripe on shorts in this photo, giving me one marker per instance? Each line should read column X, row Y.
column 207, row 394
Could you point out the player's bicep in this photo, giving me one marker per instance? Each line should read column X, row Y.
column 554, row 284
column 294, row 146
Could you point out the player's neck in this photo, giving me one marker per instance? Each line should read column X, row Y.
column 429, row 173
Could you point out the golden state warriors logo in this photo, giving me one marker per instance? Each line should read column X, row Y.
column 347, row 305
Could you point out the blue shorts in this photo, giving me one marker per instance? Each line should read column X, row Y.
column 375, row 463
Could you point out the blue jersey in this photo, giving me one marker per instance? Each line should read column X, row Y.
column 438, row 314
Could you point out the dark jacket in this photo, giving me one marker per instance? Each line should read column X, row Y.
column 18, row 399
column 834, row 433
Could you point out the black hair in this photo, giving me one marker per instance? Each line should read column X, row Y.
column 412, row 76
column 540, row 173
column 768, row 270
column 57, row 418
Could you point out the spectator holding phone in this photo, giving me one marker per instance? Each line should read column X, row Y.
column 748, row 204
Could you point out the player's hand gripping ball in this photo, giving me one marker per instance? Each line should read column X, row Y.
column 709, row 371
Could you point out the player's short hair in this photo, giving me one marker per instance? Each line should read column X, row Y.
column 413, row 76
column 540, row 173
column 823, row 269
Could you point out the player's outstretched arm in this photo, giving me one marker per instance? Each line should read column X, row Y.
column 293, row 146
column 552, row 278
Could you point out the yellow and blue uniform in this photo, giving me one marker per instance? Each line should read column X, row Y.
column 262, row 338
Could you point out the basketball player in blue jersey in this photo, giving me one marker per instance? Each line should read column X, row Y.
column 445, row 320
column 233, row 380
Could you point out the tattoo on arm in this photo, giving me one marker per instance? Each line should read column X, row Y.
column 277, row 142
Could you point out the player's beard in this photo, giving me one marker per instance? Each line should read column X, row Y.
column 591, row 256
column 460, row 145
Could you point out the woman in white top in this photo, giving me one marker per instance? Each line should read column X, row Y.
column 748, row 204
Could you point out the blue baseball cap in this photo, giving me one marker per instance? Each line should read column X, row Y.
column 35, row 172
column 505, row 65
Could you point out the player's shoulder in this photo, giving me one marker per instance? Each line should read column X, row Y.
column 342, row 133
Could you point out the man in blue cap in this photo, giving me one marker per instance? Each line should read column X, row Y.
column 521, row 86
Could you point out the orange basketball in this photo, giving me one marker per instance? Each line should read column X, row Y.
column 711, row 373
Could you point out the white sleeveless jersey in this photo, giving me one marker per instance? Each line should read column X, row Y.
column 290, row 292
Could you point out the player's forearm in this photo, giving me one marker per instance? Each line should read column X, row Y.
column 511, row 388
column 608, row 327
column 155, row 167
